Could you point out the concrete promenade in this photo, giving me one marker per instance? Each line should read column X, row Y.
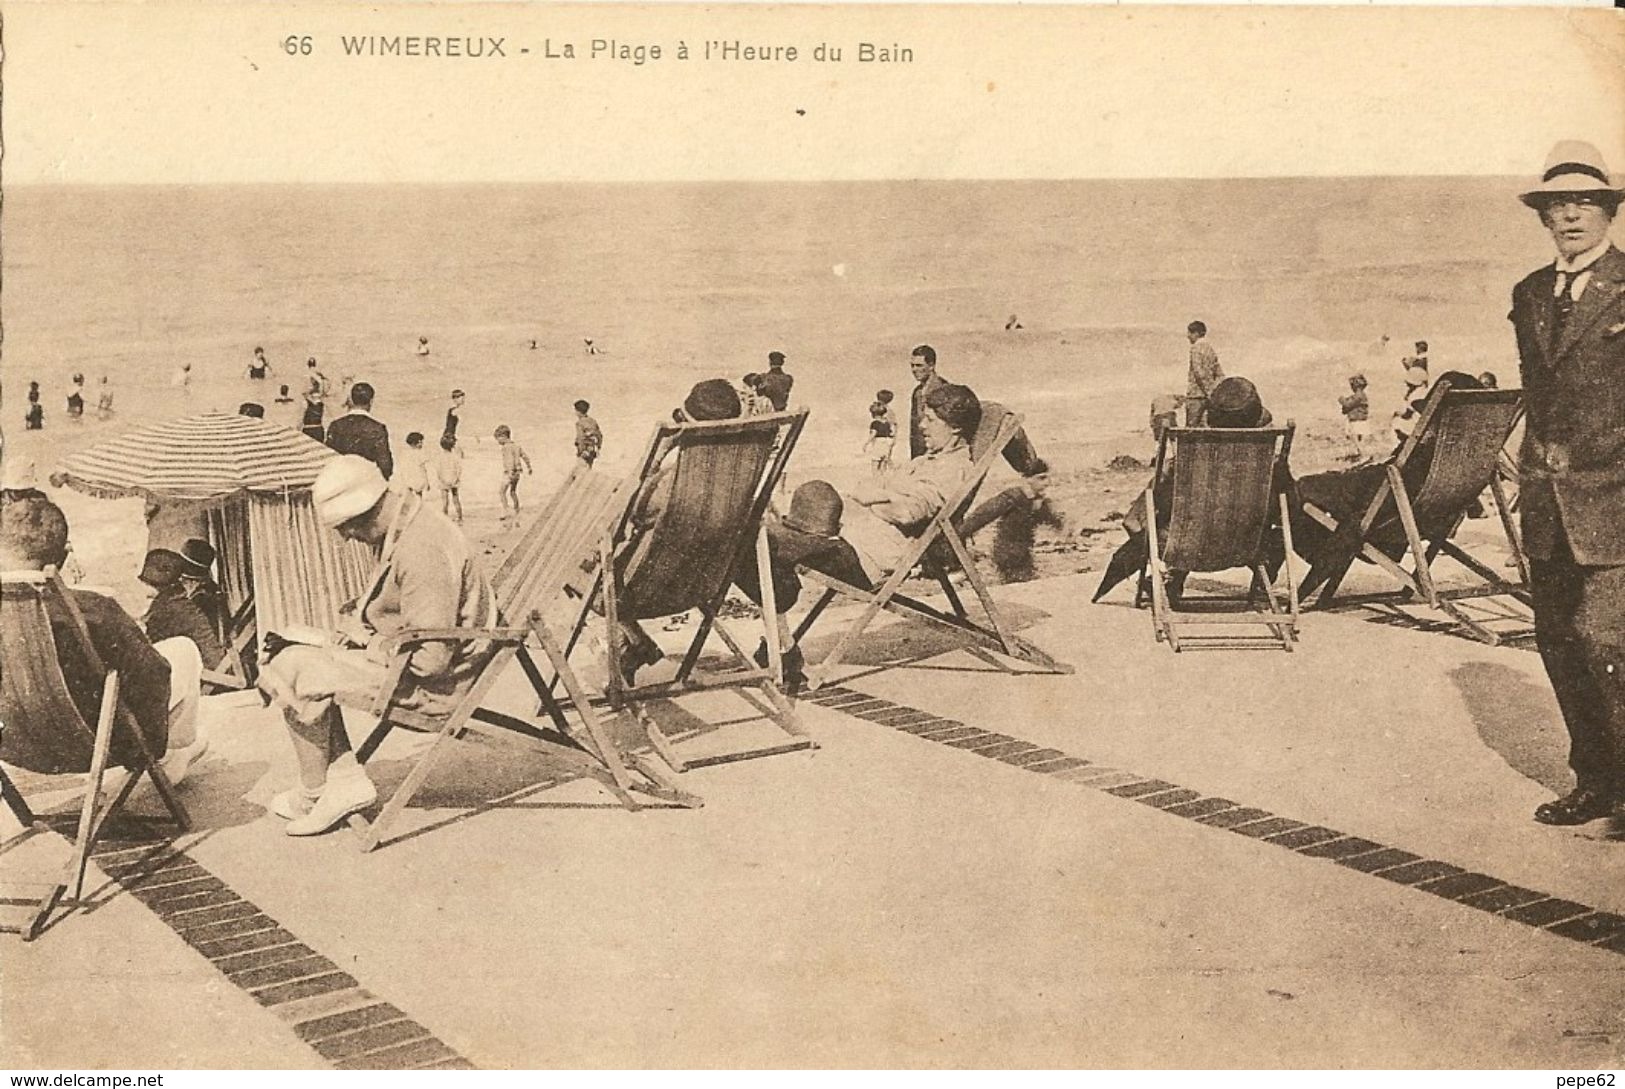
column 1211, row 859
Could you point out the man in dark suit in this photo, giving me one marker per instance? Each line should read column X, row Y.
column 357, row 432
column 1570, row 322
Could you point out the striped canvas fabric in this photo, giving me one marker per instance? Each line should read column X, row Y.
column 211, row 456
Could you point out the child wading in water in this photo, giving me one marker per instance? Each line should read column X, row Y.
column 449, row 472
column 513, row 456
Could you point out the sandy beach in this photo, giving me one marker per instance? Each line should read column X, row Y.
column 704, row 280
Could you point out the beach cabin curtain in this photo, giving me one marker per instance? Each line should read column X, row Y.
column 302, row 571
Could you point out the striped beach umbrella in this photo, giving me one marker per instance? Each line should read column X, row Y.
column 212, row 456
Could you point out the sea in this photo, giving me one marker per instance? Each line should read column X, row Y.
column 1066, row 300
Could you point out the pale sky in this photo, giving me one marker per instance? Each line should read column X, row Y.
column 155, row 92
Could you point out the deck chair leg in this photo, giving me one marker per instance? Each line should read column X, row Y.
column 657, row 738
column 814, row 613
column 1161, row 623
column 1423, row 577
column 1504, row 511
column 784, row 711
column 89, row 817
column 606, row 752
column 1281, row 630
column 1286, row 564
column 16, row 802
column 770, row 605
column 371, row 833
column 818, row 675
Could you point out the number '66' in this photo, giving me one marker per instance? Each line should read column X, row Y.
column 296, row 45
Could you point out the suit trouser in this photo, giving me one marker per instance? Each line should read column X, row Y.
column 1580, row 629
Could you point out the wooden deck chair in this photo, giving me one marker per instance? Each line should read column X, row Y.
column 237, row 668
column 540, row 578
column 1418, row 509
column 717, row 478
column 1222, row 493
column 987, row 637
column 43, row 732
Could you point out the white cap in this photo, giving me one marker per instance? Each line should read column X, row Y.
column 347, row 486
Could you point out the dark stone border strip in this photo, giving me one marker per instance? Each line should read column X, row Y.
column 343, row 1022
column 1483, row 892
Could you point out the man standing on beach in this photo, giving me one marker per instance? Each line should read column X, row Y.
column 1203, row 375
column 1569, row 318
column 315, row 401
column 359, row 432
column 775, row 384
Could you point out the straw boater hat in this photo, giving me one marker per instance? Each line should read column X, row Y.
column 347, row 486
column 1573, row 167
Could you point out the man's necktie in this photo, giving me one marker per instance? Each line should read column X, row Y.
column 1562, row 307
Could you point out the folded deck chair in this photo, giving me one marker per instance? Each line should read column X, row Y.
column 43, row 732
column 712, row 482
column 540, row 579
column 1421, row 503
column 1222, row 493
column 987, row 637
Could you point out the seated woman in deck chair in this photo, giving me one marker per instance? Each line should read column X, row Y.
column 428, row 576
column 184, row 603
column 874, row 520
column 1346, row 493
column 712, row 399
column 1234, row 402
column 159, row 682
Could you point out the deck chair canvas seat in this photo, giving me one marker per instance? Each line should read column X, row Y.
column 44, row 733
column 712, row 482
column 1223, row 488
column 934, row 544
column 540, row 579
column 1454, row 455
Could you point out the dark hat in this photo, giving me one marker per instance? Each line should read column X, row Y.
column 163, row 566
column 252, row 409
column 1421, row 345
column 1234, row 402
column 775, row 359
column 712, row 399
column 815, row 508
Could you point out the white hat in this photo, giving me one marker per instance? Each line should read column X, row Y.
column 20, row 473
column 347, row 486
column 1573, row 167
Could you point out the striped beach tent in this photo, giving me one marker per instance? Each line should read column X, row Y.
column 254, row 479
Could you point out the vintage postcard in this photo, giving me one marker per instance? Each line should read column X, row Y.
column 903, row 536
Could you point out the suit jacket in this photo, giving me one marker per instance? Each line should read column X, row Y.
column 1573, row 456
column 121, row 645
column 358, row 433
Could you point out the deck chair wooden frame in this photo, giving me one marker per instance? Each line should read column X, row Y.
column 236, row 634
column 1468, row 429
column 1222, row 492
column 546, row 566
column 59, row 741
column 990, row 638
column 744, row 461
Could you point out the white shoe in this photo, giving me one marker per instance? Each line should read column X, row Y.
column 292, row 803
column 340, row 798
column 178, row 762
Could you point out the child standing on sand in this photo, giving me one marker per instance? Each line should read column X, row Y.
column 413, row 471
column 448, row 468
column 882, row 433
column 513, row 456
column 1356, row 409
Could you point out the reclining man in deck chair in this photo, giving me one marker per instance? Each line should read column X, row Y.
column 1234, row 402
column 428, row 576
column 159, row 682
column 873, row 520
column 1345, row 494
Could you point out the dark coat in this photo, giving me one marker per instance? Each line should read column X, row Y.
column 358, row 433
column 121, row 645
column 173, row 614
column 1573, row 456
